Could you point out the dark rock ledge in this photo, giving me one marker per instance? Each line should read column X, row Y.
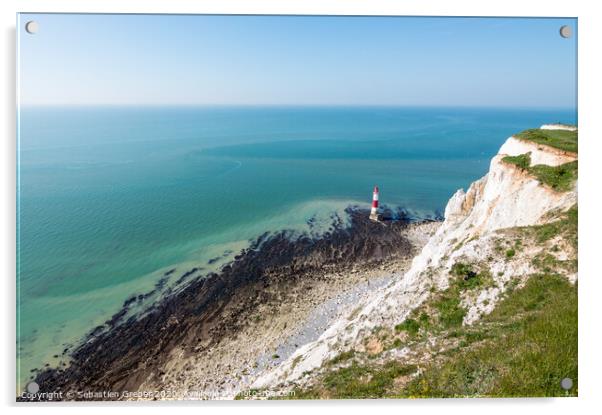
column 125, row 354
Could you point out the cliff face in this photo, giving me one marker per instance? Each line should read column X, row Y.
column 478, row 222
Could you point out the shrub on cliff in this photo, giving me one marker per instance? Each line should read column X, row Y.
column 522, row 161
column 559, row 178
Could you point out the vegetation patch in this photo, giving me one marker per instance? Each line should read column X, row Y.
column 410, row 325
column 533, row 347
column 296, row 361
column 396, row 343
column 548, row 263
column 559, row 178
column 565, row 226
column 444, row 310
column 522, row 161
column 342, row 357
column 358, row 381
column 451, row 314
column 560, row 139
column 467, row 278
column 469, row 337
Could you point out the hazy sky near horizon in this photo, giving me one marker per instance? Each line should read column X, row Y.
column 296, row 60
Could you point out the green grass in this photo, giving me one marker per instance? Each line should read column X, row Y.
column 410, row 325
column 451, row 314
column 358, row 381
column 447, row 304
column 548, row 263
column 560, row 139
column 460, row 269
column 533, row 346
column 525, row 347
column 566, row 226
column 522, row 161
column 467, row 278
column 559, row 178
column 448, row 312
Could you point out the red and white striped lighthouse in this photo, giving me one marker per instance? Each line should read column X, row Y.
column 374, row 211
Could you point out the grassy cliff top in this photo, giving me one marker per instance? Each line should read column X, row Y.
column 560, row 139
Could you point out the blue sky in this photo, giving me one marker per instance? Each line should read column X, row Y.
column 296, row 60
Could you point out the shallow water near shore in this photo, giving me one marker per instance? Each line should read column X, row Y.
column 112, row 198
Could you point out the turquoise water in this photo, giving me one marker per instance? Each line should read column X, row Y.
column 111, row 197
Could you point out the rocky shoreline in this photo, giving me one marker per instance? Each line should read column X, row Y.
column 221, row 330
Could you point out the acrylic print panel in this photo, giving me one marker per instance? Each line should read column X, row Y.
column 296, row 207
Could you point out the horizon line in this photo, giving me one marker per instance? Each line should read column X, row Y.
column 293, row 105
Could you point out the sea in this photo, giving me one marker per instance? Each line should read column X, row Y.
column 110, row 198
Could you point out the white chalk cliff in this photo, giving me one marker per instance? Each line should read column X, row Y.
column 505, row 197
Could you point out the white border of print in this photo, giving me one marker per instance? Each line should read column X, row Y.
column 590, row 287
